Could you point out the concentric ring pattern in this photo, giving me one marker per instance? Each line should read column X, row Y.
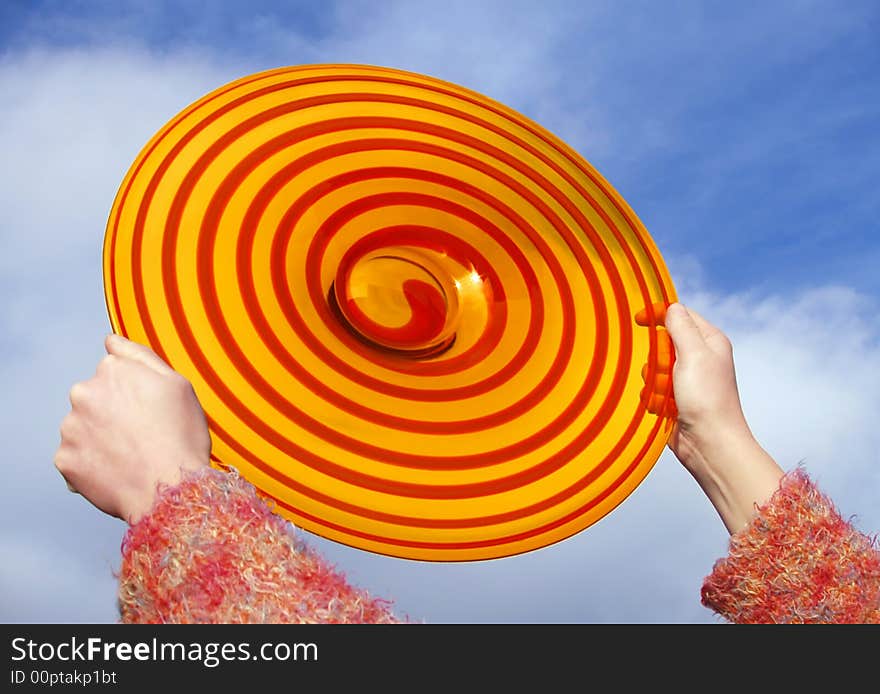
column 407, row 310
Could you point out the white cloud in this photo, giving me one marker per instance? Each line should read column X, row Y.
column 73, row 122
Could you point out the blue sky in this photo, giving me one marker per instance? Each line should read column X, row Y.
column 743, row 135
column 741, row 132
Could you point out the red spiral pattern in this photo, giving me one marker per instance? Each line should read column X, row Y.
column 231, row 249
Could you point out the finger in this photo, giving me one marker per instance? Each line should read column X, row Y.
column 68, row 428
column 664, row 356
column 62, row 465
column 665, row 351
column 655, row 314
column 661, row 383
column 106, row 365
column 707, row 330
column 683, row 330
column 660, row 368
column 78, row 394
column 656, row 403
column 122, row 347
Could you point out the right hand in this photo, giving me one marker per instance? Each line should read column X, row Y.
column 705, row 389
column 711, row 437
column 134, row 426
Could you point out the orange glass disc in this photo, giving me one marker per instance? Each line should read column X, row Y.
column 407, row 310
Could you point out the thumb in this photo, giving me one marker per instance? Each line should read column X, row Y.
column 122, row 347
column 686, row 336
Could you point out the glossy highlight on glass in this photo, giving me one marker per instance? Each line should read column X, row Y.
column 409, row 312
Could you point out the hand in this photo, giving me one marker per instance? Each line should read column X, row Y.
column 135, row 425
column 711, row 437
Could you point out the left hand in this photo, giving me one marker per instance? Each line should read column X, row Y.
column 135, row 425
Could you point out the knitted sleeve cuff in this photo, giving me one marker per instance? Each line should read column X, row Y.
column 211, row 550
column 797, row 561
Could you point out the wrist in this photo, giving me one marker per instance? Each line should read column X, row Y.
column 713, row 450
column 735, row 472
column 169, row 476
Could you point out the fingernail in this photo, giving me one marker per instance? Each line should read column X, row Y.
column 675, row 308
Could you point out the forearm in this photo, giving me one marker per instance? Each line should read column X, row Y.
column 212, row 551
column 797, row 560
column 736, row 474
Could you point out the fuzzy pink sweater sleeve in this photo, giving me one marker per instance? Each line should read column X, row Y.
column 798, row 561
column 212, row 551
